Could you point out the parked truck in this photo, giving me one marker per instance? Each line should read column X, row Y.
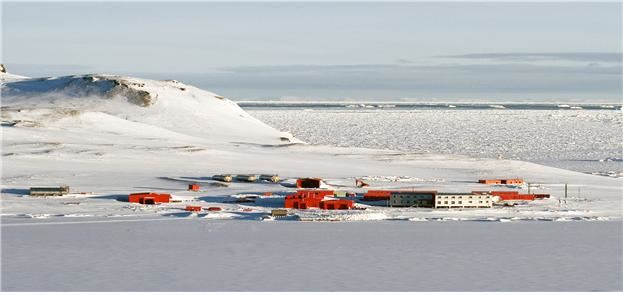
column 270, row 177
column 246, row 177
column 49, row 191
column 223, row 177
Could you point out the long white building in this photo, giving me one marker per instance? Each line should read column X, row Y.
column 463, row 200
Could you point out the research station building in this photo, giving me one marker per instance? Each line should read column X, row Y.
column 463, row 200
column 412, row 199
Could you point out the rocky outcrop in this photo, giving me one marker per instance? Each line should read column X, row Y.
column 128, row 90
column 103, row 86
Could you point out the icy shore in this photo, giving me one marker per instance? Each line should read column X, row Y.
column 581, row 140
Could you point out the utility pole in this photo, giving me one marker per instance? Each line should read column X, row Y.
column 560, row 200
column 566, row 189
column 566, row 192
column 528, row 188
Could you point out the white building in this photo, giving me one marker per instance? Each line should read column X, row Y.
column 463, row 200
column 412, row 199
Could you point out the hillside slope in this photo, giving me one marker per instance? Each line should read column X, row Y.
column 169, row 105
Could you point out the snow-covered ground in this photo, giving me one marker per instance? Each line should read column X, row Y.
column 107, row 136
column 110, row 136
column 580, row 140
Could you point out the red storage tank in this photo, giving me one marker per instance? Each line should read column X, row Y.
column 193, row 208
column 194, row 187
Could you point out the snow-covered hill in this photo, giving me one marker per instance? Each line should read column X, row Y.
column 105, row 100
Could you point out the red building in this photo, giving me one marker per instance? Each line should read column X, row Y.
column 512, row 195
column 377, row 195
column 194, row 187
column 301, row 203
column 149, row 198
column 505, row 194
column 337, row 204
column 193, row 208
column 317, row 194
column 304, row 199
column 541, row 196
column 522, row 197
column 308, row 183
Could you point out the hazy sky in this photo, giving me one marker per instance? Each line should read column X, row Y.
column 330, row 50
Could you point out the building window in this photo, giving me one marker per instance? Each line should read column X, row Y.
column 452, row 202
column 445, row 202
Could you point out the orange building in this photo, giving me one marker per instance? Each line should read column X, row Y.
column 502, row 181
column 490, row 181
column 512, row 181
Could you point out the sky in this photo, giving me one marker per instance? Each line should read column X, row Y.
column 302, row 51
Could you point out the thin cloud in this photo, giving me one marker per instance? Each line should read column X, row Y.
column 610, row 57
column 394, row 81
